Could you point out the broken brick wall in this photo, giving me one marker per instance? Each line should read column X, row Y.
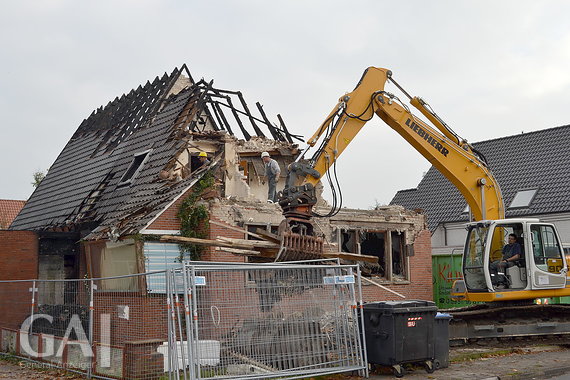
column 417, row 283
column 420, row 282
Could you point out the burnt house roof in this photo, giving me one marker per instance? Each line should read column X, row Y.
column 86, row 189
column 536, row 160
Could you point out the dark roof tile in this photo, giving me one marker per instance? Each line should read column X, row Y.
column 530, row 160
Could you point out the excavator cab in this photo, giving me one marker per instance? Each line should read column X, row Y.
column 541, row 265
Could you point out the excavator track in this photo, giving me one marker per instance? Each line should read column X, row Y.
column 505, row 322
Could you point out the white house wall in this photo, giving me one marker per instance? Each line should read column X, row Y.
column 456, row 233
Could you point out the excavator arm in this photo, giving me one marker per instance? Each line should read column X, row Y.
column 458, row 161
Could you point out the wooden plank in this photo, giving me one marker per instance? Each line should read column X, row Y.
column 242, row 252
column 237, row 229
column 233, row 244
column 382, row 287
column 351, row 256
column 255, row 243
column 206, row 242
column 268, row 236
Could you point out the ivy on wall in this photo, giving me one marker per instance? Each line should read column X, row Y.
column 194, row 218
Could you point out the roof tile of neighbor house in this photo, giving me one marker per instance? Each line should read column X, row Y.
column 82, row 189
column 536, row 160
column 8, row 210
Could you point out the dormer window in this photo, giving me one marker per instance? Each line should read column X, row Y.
column 134, row 168
column 523, row 198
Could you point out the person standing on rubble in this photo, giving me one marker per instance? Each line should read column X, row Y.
column 272, row 172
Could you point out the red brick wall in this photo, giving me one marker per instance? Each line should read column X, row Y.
column 18, row 261
column 147, row 316
column 211, row 254
column 168, row 219
column 420, row 285
column 18, row 255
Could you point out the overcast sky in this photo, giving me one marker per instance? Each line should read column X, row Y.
column 489, row 68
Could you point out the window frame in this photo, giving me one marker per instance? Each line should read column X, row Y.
column 388, row 247
column 519, row 193
column 128, row 181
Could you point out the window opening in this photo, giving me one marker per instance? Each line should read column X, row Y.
column 134, row 168
column 398, row 256
column 253, row 228
column 195, row 162
column 373, row 244
column 348, row 241
column 501, row 238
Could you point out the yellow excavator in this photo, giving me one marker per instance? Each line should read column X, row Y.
column 541, row 269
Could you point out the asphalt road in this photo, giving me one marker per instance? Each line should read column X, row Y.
column 532, row 362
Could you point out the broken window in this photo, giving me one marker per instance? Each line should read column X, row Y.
column 348, row 241
column 256, row 228
column 134, row 168
column 374, row 244
column 267, row 227
column 398, row 254
column 392, row 266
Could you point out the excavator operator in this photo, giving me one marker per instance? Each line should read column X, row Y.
column 511, row 253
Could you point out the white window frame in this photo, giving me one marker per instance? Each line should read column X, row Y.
column 128, row 181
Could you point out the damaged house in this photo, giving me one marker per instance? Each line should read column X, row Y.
column 131, row 174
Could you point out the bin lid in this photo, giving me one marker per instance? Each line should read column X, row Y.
column 398, row 306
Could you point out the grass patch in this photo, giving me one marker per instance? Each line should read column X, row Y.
column 487, row 354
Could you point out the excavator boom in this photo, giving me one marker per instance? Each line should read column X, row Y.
column 451, row 155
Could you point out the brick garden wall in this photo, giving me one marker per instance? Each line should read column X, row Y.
column 147, row 316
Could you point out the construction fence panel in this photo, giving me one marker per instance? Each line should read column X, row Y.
column 265, row 321
column 103, row 328
column 215, row 321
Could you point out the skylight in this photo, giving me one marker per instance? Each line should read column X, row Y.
column 136, row 165
column 523, row 198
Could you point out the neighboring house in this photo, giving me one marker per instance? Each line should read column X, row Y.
column 532, row 171
column 119, row 182
column 8, row 210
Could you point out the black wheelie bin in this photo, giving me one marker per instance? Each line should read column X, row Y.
column 441, row 335
column 399, row 332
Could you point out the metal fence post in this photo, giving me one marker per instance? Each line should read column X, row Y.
column 33, row 289
column 188, row 292
column 169, row 317
column 92, row 286
column 362, row 336
column 195, row 336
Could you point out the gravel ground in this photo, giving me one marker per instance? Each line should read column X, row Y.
column 498, row 362
column 13, row 369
